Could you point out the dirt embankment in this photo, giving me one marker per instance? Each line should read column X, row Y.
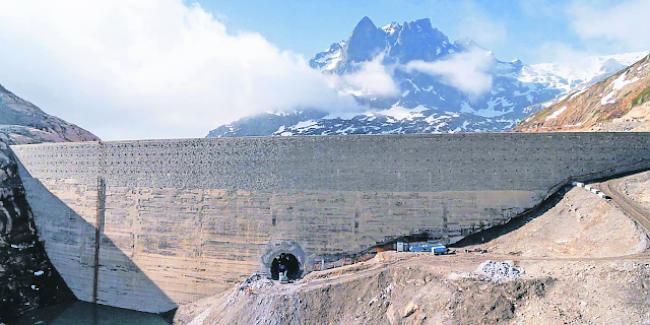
column 579, row 225
column 581, row 261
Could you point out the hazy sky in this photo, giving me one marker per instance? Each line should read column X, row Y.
column 173, row 68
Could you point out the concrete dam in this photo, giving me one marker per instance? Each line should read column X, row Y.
column 149, row 225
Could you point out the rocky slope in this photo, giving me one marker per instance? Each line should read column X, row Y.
column 432, row 95
column 23, row 122
column 621, row 102
column 27, row 278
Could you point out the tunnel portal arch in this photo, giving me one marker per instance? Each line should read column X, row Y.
column 285, row 262
column 284, row 252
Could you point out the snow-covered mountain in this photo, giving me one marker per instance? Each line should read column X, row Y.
column 432, row 85
column 571, row 75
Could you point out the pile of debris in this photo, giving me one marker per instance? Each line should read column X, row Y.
column 499, row 272
column 254, row 283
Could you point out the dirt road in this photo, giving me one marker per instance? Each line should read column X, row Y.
column 631, row 208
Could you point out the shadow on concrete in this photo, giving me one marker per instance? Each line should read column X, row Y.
column 515, row 223
column 28, row 277
column 527, row 216
column 70, row 243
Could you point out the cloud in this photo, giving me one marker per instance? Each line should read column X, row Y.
column 563, row 54
column 475, row 25
column 149, row 69
column 623, row 23
column 541, row 8
column 371, row 79
column 468, row 71
column 482, row 30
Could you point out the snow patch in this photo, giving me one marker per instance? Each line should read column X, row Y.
column 401, row 113
column 557, row 113
column 620, row 82
column 305, row 124
column 609, row 98
column 491, row 110
column 616, row 85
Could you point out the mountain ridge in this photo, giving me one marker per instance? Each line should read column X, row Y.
column 487, row 95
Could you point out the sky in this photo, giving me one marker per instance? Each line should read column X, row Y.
column 512, row 29
column 179, row 68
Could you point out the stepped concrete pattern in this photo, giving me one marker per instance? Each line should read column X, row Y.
column 148, row 225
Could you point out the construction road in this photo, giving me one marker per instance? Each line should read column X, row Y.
column 631, row 208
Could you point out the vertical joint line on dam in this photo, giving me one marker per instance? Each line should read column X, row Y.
column 445, row 221
column 99, row 219
column 99, row 227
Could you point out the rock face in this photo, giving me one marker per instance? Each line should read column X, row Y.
column 23, row 122
column 426, row 68
column 27, row 278
column 618, row 103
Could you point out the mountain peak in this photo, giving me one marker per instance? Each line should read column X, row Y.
column 391, row 28
column 365, row 42
column 366, row 22
column 422, row 24
column 401, row 43
column 418, row 40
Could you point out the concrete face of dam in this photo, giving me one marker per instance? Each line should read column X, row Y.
column 148, row 225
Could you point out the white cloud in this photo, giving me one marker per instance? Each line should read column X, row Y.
column 372, row 79
column 481, row 29
column 149, row 69
column 467, row 71
column 623, row 23
column 541, row 8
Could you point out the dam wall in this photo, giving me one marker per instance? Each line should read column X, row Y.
column 149, row 225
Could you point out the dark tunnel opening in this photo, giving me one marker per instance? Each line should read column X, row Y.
column 285, row 263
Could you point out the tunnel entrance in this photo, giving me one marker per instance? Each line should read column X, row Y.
column 285, row 262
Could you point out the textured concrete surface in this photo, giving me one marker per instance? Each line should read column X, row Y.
column 183, row 219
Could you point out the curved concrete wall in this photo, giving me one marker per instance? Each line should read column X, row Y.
column 182, row 219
